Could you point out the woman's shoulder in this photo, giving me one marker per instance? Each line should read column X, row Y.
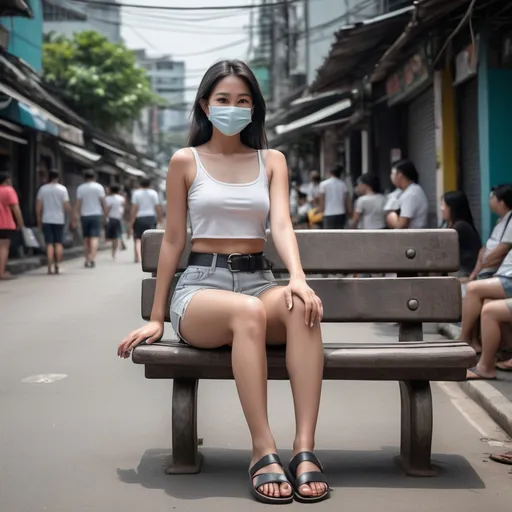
column 183, row 156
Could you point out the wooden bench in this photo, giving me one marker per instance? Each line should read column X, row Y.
column 407, row 299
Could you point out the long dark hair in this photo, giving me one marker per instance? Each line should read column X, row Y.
column 201, row 129
column 460, row 210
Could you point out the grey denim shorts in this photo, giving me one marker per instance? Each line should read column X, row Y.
column 195, row 279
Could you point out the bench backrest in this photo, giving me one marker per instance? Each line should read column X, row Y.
column 407, row 299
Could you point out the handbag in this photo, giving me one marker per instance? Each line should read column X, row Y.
column 29, row 238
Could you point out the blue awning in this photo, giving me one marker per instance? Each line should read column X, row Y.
column 27, row 116
column 25, row 112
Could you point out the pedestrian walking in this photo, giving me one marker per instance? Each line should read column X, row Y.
column 334, row 200
column 115, row 206
column 146, row 213
column 52, row 203
column 10, row 220
column 369, row 207
column 412, row 207
column 228, row 294
column 91, row 207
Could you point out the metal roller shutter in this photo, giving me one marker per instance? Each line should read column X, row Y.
column 469, row 178
column 422, row 146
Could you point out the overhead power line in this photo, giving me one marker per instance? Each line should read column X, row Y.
column 183, row 8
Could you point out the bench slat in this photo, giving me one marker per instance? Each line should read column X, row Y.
column 391, row 361
column 408, row 250
column 369, row 300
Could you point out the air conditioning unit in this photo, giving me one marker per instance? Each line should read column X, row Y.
column 4, row 38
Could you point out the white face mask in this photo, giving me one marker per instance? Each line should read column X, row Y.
column 230, row 120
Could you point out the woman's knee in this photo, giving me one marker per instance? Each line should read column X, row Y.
column 250, row 317
column 472, row 288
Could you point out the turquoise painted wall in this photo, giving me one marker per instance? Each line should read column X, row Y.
column 495, row 115
column 26, row 35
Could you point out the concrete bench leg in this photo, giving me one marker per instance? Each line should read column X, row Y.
column 416, row 435
column 186, row 458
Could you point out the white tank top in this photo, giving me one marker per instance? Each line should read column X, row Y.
column 228, row 210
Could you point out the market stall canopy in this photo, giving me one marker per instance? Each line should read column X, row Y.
column 114, row 149
column 81, row 155
column 306, row 105
column 358, row 48
column 320, row 115
column 129, row 169
column 12, row 132
column 15, row 8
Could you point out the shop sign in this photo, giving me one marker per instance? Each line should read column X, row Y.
column 466, row 63
column 413, row 74
column 71, row 134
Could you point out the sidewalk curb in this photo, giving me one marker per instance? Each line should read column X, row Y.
column 17, row 267
column 497, row 406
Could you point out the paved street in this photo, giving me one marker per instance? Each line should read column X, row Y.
column 96, row 439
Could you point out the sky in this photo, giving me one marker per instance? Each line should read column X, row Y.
column 187, row 35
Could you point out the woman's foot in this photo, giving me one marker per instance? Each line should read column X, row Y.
column 268, row 467
column 479, row 372
column 304, row 462
column 505, row 366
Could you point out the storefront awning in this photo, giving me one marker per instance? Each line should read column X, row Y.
column 15, row 8
column 114, row 150
column 316, row 117
column 358, row 48
column 426, row 14
column 82, row 155
column 28, row 113
column 129, row 169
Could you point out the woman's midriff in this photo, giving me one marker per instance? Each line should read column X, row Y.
column 228, row 245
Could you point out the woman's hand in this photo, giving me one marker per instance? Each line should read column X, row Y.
column 151, row 332
column 313, row 305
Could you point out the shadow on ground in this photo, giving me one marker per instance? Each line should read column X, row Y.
column 224, row 473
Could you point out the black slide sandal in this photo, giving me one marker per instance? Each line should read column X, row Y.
column 307, row 478
column 269, row 478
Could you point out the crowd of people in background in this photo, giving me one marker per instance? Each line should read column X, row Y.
column 96, row 210
column 485, row 270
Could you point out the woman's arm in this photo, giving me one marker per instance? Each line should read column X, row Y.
column 175, row 236
column 280, row 221
column 285, row 240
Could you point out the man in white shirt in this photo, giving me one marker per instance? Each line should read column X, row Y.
column 115, row 203
column 52, row 203
column 90, row 206
column 412, row 202
column 334, row 200
column 146, row 213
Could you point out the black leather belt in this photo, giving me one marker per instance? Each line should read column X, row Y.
column 234, row 262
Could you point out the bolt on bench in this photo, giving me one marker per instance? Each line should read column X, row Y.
column 407, row 299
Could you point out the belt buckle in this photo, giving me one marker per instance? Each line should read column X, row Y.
column 230, row 268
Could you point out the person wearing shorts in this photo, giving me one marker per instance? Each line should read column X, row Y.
column 52, row 203
column 91, row 207
column 226, row 186
column 146, row 213
column 10, row 219
column 115, row 204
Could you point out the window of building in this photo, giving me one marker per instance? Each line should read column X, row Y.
column 165, row 65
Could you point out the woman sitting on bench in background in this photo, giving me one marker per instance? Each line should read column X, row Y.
column 228, row 182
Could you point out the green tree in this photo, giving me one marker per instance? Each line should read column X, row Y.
column 100, row 80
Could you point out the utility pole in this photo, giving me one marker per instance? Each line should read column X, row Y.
column 307, row 38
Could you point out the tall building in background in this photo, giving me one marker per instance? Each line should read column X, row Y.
column 167, row 81
column 68, row 18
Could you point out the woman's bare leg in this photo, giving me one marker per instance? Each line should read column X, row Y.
column 494, row 313
column 305, row 364
column 476, row 293
column 215, row 318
